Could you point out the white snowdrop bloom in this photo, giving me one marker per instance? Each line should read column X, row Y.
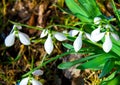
column 78, row 42
column 96, row 35
column 24, row 81
column 9, row 40
column 107, row 45
column 73, row 32
column 24, row 38
column 115, row 36
column 60, row 36
column 37, row 72
column 48, row 45
column 44, row 33
column 97, row 20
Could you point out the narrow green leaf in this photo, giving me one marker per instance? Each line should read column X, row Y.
column 116, row 49
column 90, row 7
column 110, row 77
column 77, row 10
column 107, row 68
column 95, row 63
column 67, row 65
column 115, row 81
column 68, row 46
column 117, row 42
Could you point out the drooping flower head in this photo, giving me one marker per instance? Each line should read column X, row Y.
column 33, row 81
column 97, row 35
column 48, row 45
column 10, row 39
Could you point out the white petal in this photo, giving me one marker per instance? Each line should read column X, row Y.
column 44, row 33
column 73, row 32
column 48, row 45
column 37, row 72
column 78, row 43
column 89, row 37
column 10, row 39
column 107, row 45
column 95, row 32
column 98, row 37
column 115, row 36
column 24, row 38
column 35, row 82
column 60, row 36
column 24, row 81
column 97, row 20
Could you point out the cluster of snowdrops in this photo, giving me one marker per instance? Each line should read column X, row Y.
column 103, row 32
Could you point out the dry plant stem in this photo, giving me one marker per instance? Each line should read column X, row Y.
column 4, row 5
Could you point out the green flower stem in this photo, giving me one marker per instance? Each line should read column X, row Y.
column 31, row 27
column 48, row 27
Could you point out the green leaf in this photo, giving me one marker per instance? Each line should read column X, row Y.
column 70, row 38
column 110, row 77
column 117, row 42
column 95, row 63
column 116, row 49
column 107, row 68
column 85, row 10
column 115, row 81
column 68, row 46
column 77, row 10
column 90, row 7
column 67, row 65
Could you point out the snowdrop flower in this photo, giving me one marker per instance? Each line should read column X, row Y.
column 24, row 81
column 60, row 36
column 37, row 72
column 97, row 20
column 49, row 45
column 10, row 39
column 78, row 42
column 107, row 45
column 96, row 35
